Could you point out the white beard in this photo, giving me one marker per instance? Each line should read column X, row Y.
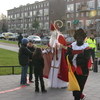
column 53, row 38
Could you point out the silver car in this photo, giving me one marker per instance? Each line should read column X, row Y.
column 34, row 38
column 45, row 40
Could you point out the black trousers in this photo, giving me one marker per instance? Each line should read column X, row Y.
column 39, row 76
column 19, row 44
column 30, row 71
column 81, row 80
column 93, row 54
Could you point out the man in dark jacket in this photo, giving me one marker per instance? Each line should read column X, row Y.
column 20, row 37
column 24, row 54
column 31, row 47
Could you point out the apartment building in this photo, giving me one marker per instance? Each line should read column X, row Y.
column 21, row 18
column 83, row 14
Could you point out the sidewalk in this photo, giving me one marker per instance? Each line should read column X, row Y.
column 12, row 47
column 10, row 88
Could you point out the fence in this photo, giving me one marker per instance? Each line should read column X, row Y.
column 8, row 69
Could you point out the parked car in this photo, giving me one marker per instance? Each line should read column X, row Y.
column 16, row 36
column 98, row 42
column 9, row 36
column 34, row 38
column 70, row 40
column 25, row 35
column 45, row 40
column 2, row 36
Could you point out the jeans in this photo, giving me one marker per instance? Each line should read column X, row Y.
column 30, row 71
column 24, row 75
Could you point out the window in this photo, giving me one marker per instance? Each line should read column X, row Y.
column 41, row 25
column 82, row 14
column 98, row 4
column 25, row 25
column 78, row 6
column 46, row 12
column 72, row 15
column 30, row 13
column 44, row 18
column 67, row 15
column 21, row 26
column 68, row 0
column 18, row 15
column 41, row 5
column 47, row 4
column 88, row 22
column 22, row 14
column 41, row 18
column 26, row 13
column 80, row 24
column 30, row 25
column 90, row 5
column 46, row 25
column 36, row 6
column 47, row 17
column 70, row 8
column 87, row 14
column 98, row 12
column 34, row 12
column 44, row 4
column 40, row 12
column 68, row 24
column 77, row 14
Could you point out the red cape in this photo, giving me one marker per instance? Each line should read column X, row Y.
column 63, row 72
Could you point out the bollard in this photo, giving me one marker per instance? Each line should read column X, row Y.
column 95, row 69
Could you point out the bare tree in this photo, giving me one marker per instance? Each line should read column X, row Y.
column 3, row 23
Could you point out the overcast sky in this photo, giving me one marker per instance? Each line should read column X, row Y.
column 9, row 4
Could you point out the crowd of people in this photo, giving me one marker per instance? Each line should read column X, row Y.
column 51, row 62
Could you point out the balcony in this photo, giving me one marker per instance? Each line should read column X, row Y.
column 84, row 7
column 91, row 27
column 28, row 16
column 19, row 17
column 13, row 18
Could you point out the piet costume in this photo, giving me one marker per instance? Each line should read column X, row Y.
column 79, row 57
column 57, row 70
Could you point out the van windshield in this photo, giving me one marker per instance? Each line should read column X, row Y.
column 11, row 35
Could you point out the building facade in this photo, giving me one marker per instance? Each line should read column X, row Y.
column 83, row 14
column 21, row 18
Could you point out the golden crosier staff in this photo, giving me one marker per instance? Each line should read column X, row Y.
column 61, row 45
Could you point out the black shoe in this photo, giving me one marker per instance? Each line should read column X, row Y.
column 44, row 91
column 36, row 91
column 26, row 84
column 31, row 81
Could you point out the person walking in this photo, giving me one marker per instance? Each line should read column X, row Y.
column 79, row 57
column 31, row 47
column 38, row 63
column 20, row 37
column 23, row 56
column 92, row 44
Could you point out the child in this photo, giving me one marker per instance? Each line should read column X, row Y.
column 31, row 47
column 24, row 54
column 38, row 63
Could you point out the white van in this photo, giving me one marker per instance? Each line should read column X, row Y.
column 9, row 36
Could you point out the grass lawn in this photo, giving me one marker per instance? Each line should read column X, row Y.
column 15, row 42
column 8, row 58
column 10, row 42
column 98, row 54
